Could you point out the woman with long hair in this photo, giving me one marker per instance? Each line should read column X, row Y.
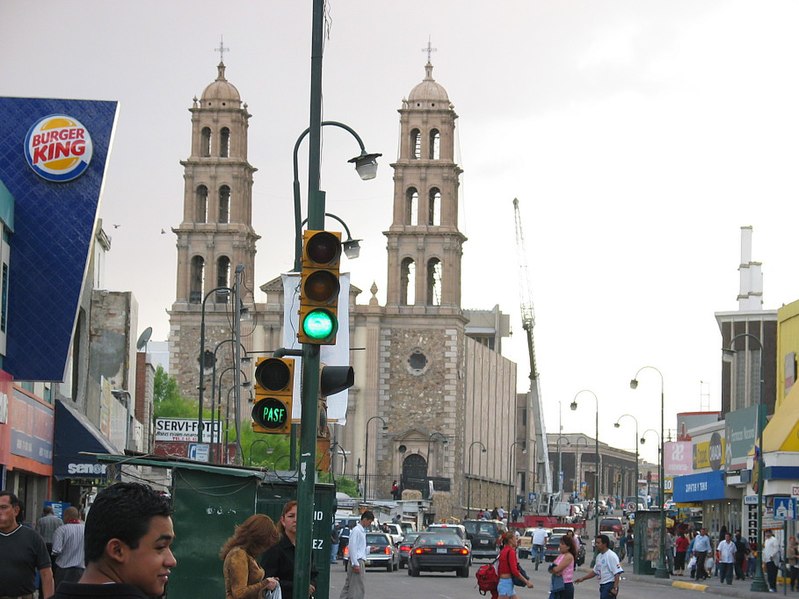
column 244, row 578
column 278, row 561
column 508, row 567
column 564, row 566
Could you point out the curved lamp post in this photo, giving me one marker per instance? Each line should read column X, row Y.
column 335, row 447
column 617, row 424
column 758, row 582
column 598, row 477
column 511, row 478
column 366, row 454
column 579, row 462
column 203, row 359
column 244, row 359
column 469, row 480
column 643, row 441
column 660, row 571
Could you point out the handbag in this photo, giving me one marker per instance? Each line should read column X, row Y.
column 276, row 593
column 518, row 581
column 557, row 584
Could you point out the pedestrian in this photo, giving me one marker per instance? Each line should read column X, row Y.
column 669, row 551
column 793, row 562
column 563, row 566
column 24, row 552
column 622, row 546
column 606, row 567
column 128, row 538
column 480, row 514
column 701, row 549
column 68, row 548
column 278, row 560
column 47, row 525
column 540, row 537
column 508, row 567
column 501, row 513
column 354, row 586
column 244, row 578
column 771, row 557
column 514, row 514
column 630, row 546
column 680, row 550
column 395, row 491
column 495, row 513
column 741, row 553
column 335, row 537
column 725, row 558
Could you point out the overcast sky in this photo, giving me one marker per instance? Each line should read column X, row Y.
column 638, row 136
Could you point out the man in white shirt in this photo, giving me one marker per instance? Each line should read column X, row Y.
column 539, row 542
column 725, row 558
column 353, row 587
column 607, row 568
column 771, row 557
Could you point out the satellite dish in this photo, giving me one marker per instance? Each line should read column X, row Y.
column 144, row 338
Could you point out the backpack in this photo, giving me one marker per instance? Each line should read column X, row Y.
column 487, row 580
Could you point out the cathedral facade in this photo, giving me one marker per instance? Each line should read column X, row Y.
column 433, row 395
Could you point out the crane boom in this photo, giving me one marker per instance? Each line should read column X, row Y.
column 528, row 323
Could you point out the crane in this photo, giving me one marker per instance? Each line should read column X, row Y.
column 528, row 323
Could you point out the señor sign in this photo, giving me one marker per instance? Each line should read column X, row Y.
column 58, row 148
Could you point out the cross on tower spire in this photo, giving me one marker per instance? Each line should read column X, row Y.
column 429, row 49
column 221, row 49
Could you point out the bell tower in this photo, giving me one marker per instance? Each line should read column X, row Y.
column 424, row 244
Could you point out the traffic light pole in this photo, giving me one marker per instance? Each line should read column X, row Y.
column 306, row 473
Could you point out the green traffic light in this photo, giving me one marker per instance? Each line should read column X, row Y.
column 319, row 324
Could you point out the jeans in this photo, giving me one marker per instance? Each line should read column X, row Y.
column 725, row 572
column 538, row 555
column 604, row 590
column 701, row 573
column 771, row 574
column 333, row 552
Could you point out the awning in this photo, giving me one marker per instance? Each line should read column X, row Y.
column 781, row 432
column 75, row 433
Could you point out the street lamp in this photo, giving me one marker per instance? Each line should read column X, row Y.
column 660, row 571
column 643, row 441
column 598, row 477
column 560, row 466
column 335, row 447
column 243, row 359
column 617, row 424
column 366, row 454
column 203, row 360
column 758, row 582
column 512, row 460
column 471, row 474
column 579, row 462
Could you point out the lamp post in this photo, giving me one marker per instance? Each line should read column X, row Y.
column 643, row 441
column 202, row 359
column 366, row 454
column 660, row 571
column 243, row 359
column 560, row 467
column 598, row 477
column 512, row 460
column 617, row 424
column 579, row 462
column 252, row 445
column 335, row 447
column 444, row 441
column 759, row 584
column 245, row 384
column 471, row 474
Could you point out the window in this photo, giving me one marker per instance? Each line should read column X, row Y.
column 222, row 278
column 416, row 144
column 224, row 143
column 434, row 208
column 224, row 204
column 205, row 142
column 435, row 144
column 434, row 282
column 408, row 282
column 202, row 204
column 197, row 278
column 412, row 207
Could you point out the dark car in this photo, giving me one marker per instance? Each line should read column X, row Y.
column 438, row 552
column 611, row 527
column 552, row 550
column 484, row 535
column 405, row 547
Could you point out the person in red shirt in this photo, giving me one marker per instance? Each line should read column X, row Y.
column 680, row 550
column 508, row 567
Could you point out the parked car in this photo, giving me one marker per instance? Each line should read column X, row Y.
column 612, row 526
column 484, row 535
column 457, row 529
column 405, row 547
column 394, row 531
column 439, row 551
column 380, row 551
column 551, row 549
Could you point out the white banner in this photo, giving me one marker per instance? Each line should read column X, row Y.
column 183, row 429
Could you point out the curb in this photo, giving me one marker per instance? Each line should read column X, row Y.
column 691, row 586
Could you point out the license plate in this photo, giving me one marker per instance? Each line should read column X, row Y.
column 484, row 541
column 441, row 550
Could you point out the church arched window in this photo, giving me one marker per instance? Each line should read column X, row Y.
column 435, row 144
column 408, row 282
column 412, row 206
column 434, row 207
column 222, row 278
column 434, row 282
column 224, row 143
column 416, row 144
column 224, row 204
column 205, row 142
column 202, row 204
column 197, row 279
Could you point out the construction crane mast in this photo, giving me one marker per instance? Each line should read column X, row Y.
column 528, row 323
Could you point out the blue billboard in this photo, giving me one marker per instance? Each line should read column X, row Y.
column 53, row 156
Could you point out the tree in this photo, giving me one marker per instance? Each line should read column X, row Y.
column 167, row 400
column 165, row 387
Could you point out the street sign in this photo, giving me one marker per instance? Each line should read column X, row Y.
column 198, row 452
column 750, row 499
column 785, row 508
column 531, row 496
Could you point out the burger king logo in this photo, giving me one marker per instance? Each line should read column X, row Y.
column 58, row 148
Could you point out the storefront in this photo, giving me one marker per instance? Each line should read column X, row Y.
column 721, row 504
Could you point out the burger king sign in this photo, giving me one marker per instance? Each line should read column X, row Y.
column 58, row 148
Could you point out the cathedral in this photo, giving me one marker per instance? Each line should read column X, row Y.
column 434, row 405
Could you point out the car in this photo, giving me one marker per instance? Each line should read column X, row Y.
column 439, row 551
column 484, row 536
column 394, row 531
column 405, row 547
column 380, row 551
column 525, row 546
column 552, row 549
column 457, row 529
column 613, row 526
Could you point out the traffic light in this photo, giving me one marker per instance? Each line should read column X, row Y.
column 274, row 386
column 332, row 380
column 319, row 287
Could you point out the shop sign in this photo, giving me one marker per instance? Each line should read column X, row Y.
column 709, row 454
column 740, row 430
column 677, row 460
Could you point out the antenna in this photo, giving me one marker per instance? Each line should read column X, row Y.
column 144, row 338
